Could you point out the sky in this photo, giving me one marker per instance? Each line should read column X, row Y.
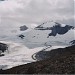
column 33, row 12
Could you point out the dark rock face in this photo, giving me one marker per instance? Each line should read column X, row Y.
column 57, row 29
column 21, row 36
column 72, row 42
column 3, row 48
column 55, row 53
column 23, row 28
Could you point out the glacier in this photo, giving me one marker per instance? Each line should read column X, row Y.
column 20, row 51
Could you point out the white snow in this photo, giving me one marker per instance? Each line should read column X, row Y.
column 33, row 25
column 48, row 24
column 36, row 38
column 63, row 25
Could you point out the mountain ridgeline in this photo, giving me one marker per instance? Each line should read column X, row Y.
column 56, row 29
column 3, row 48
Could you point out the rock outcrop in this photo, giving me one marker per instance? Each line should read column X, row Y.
column 23, row 28
column 3, row 48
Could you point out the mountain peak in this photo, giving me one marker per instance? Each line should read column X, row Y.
column 47, row 24
column 51, row 24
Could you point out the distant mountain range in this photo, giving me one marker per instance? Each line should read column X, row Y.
column 51, row 33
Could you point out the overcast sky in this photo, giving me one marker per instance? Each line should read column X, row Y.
column 17, row 12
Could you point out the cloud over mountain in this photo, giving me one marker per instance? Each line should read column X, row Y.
column 34, row 11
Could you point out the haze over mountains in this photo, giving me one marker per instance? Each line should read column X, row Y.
column 28, row 12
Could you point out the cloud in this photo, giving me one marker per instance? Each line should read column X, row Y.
column 8, row 5
column 36, row 11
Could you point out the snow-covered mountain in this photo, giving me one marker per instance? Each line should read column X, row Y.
column 49, row 33
column 22, row 46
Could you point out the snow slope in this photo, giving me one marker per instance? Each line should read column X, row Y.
column 37, row 37
column 17, row 54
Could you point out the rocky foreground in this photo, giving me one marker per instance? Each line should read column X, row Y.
column 58, row 61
